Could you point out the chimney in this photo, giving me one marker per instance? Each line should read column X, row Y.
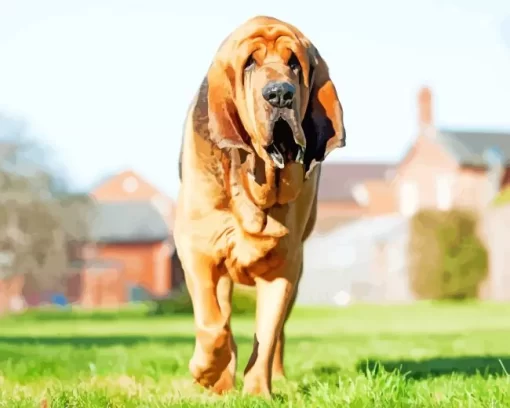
column 425, row 107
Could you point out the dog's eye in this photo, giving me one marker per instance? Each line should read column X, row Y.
column 250, row 63
column 294, row 63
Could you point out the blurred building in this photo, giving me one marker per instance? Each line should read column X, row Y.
column 132, row 254
column 447, row 168
column 357, row 251
column 348, row 191
column 128, row 254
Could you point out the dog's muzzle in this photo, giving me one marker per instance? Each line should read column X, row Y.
column 284, row 147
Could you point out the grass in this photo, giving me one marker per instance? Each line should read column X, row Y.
column 424, row 355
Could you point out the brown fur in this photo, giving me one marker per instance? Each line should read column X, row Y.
column 239, row 218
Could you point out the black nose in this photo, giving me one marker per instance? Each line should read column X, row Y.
column 279, row 94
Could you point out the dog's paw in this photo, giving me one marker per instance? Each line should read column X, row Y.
column 225, row 383
column 211, row 357
column 257, row 385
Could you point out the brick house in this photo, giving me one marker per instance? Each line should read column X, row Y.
column 131, row 247
column 134, row 224
column 443, row 168
column 129, row 186
column 447, row 168
column 129, row 254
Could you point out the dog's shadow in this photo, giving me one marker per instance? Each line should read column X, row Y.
column 484, row 366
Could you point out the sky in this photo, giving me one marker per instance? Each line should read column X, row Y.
column 106, row 83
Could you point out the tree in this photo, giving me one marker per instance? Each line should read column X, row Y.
column 39, row 215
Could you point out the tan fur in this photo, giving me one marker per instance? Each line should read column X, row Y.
column 239, row 218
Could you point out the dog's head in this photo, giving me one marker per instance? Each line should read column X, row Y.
column 269, row 90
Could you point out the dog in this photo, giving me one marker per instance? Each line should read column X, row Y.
column 263, row 120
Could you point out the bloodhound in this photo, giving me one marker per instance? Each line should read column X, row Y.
column 265, row 117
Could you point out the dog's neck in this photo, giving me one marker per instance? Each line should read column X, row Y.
column 261, row 181
column 254, row 204
column 267, row 186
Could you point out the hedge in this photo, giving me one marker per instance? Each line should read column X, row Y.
column 447, row 260
column 243, row 302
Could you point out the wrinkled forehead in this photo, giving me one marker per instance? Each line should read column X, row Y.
column 271, row 38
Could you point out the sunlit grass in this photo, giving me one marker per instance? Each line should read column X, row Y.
column 424, row 355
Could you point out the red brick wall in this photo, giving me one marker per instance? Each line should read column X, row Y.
column 381, row 198
column 103, row 287
column 470, row 187
column 10, row 288
column 423, row 164
column 145, row 264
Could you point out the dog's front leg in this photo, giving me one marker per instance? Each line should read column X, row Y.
column 213, row 336
column 227, row 378
column 278, row 370
column 274, row 293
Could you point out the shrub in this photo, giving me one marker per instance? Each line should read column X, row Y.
column 447, row 260
column 243, row 302
column 503, row 198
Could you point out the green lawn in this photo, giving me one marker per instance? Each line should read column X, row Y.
column 449, row 355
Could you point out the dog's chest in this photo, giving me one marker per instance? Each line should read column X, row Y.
column 267, row 186
column 272, row 262
column 254, row 256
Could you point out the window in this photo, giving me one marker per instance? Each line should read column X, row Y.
column 444, row 191
column 130, row 184
column 6, row 259
column 408, row 198
column 361, row 195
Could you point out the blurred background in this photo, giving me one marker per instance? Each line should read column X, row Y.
column 405, row 295
column 92, row 101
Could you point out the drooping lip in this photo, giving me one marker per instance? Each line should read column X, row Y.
column 288, row 143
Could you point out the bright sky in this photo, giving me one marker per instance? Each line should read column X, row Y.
column 107, row 82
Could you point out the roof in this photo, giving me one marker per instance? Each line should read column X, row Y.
column 468, row 147
column 101, row 182
column 127, row 222
column 144, row 191
column 338, row 179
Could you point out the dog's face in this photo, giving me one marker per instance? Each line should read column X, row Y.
column 272, row 94
column 270, row 91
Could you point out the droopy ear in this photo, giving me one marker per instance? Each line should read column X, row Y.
column 323, row 123
column 224, row 124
